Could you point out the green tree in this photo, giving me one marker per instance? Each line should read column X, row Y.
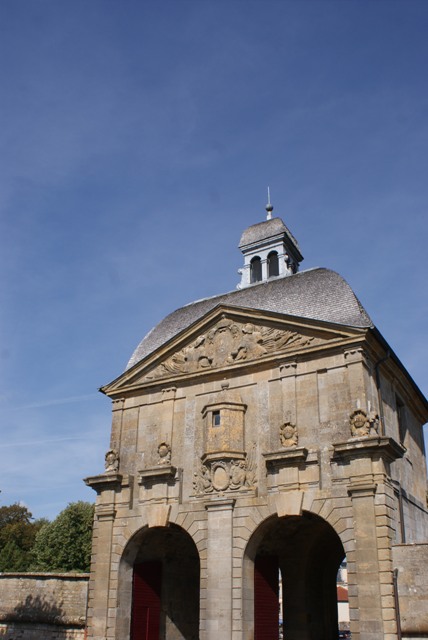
column 17, row 537
column 65, row 543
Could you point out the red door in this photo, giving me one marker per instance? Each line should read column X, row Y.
column 146, row 601
column 266, row 603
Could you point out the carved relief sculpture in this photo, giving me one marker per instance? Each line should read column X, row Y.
column 251, row 471
column 111, row 461
column 226, row 474
column 288, row 435
column 202, row 480
column 363, row 424
column 164, row 452
column 238, row 474
column 228, row 342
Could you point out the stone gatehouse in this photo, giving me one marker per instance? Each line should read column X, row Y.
column 259, row 438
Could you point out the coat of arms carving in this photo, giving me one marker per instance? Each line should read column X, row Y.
column 288, row 435
column 362, row 424
column 226, row 473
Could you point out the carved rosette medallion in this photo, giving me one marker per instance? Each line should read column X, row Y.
column 225, row 473
column 229, row 342
column 288, row 435
column 362, row 424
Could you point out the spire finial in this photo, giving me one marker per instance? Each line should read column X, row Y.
column 269, row 207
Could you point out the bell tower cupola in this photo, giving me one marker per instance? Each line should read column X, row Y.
column 269, row 250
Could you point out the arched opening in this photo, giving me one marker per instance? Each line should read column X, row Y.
column 159, row 586
column 302, row 555
column 273, row 264
column 256, row 269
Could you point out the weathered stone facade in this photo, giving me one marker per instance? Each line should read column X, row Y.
column 39, row 606
column 246, row 433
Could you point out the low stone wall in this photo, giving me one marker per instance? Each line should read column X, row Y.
column 31, row 631
column 43, row 606
column 411, row 561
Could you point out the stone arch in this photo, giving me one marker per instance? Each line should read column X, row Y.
column 339, row 516
column 308, row 552
column 193, row 523
column 175, row 553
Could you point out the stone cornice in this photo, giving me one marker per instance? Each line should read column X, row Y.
column 220, row 504
column 285, row 458
column 382, row 446
column 223, row 455
column 104, row 481
column 156, row 474
column 362, row 489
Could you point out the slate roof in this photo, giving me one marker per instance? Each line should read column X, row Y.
column 266, row 229
column 318, row 294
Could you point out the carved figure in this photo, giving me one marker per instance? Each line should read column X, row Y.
column 237, row 474
column 250, row 345
column 111, row 461
column 360, row 423
column 279, row 340
column 288, row 435
column 202, row 480
column 195, row 357
column 251, row 475
column 164, row 451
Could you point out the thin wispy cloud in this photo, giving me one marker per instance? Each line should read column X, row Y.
column 29, row 443
column 54, row 402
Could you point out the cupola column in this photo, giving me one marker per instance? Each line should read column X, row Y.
column 264, row 269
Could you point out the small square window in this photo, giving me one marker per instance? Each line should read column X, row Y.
column 216, row 419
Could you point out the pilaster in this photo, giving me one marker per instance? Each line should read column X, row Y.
column 99, row 584
column 116, row 423
column 359, row 380
column 219, row 562
column 370, row 578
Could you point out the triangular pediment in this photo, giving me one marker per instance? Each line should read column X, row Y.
column 231, row 337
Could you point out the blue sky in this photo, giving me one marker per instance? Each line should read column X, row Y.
column 137, row 142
